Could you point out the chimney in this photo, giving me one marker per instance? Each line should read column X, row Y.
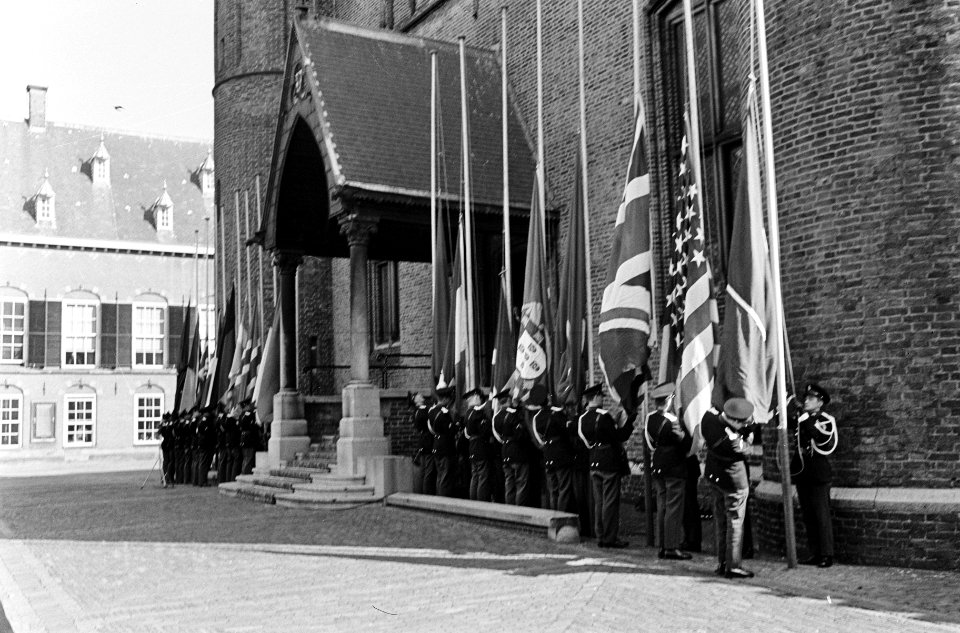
column 37, row 118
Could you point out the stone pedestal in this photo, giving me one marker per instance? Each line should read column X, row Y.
column 288, row 431
column 361, row 428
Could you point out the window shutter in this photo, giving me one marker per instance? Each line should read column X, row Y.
column 124, row 335
column 37, row 326
column 53, row 321
column 108, row 335
column 175, row 329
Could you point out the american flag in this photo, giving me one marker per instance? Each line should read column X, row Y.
column 691, row 304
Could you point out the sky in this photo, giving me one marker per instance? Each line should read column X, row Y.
column 138, row 65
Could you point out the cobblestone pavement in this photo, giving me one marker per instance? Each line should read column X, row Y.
column 95, row 553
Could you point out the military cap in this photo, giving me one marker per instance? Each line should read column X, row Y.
column 503, row 393
column 593, row 391
column 474, row 392
column 813, row 389
column 738, row 409
column 445, row 392
column 663, row 390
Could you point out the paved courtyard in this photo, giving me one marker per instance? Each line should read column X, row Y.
column 93, row 552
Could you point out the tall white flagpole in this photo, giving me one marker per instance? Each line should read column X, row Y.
column 260, row 296
column 586, row 194
column 236, row 206
column 221, row 227
column 206, row 283
column 692, row 95
column 541, row 166
column 773, row 221
column 468, row 217
column 505, row 120
column 433, row 178
column 246, row 251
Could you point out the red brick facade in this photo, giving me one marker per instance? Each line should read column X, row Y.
column 867, row 145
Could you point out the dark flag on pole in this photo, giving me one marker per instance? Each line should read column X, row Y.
column 503, row 362
column 267, row 383
column 533, row 344
column 226, row 345
column 625, row 310
column 184, row 359
column 747, row 364
column 569, row 342
column 692, row 307
column 454, row 349
column 189, row 398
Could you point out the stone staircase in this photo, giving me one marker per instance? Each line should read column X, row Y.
column 310, row 481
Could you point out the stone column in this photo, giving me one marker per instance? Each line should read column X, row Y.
column 288, row 431
column 361, row 428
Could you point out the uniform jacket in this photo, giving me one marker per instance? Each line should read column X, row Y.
column 424, row 436
column 670, row 441
column 604, row 438
column 726, row 452
column 249, row 431
column 511, row 432
column 167, row 438
column 207, row 433
column 556, row 431
column 477, row 430
column 813, row 431
column 232, row 433
column 441, row 425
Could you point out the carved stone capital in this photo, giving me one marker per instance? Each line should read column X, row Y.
column 286, row 261
column 358, row 229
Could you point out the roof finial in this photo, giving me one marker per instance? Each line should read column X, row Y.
column 46, row 173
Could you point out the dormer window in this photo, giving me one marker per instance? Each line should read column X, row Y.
column 203, row 177
column 44, row 202
column 100, row 165
column 163, row 211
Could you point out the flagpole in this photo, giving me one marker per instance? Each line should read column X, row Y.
column 468, row 218
column 541, row 168
column 639, row 111
column 236, row 206
column 433, row 181
column 504, row 118
column 220, row 227
column 246, row 252
column 260, row 256
column 586, row 194
column 196, row 265
column 782, row 444
column 692, row 95
column 206, row 282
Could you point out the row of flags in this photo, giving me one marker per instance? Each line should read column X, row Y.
column 245, row 366
column 707, row 366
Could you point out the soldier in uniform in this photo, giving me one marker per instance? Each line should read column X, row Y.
column 555, row 433
column 601, row 434
column 510, row 431
column 235, row 460
column 811, row 471
column 477, row 432
column 425, row 469
column 441, row 425
column 193, row 456
column 208, row 444
column 222, row 457
column 167, row 443
column 669, row 440
column 249, row 438
column 726, row 470
column 181, row 448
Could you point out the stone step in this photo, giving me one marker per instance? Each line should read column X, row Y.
column 335, row 478
column 559, row 526
column 270, row 481
column 319, row 463
column 253, row 492
column 333, row 487
column 297, row 472
column 303, row 499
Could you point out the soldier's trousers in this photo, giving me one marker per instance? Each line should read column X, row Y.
column 729, row 508
column 815, row 508
column 560, row 489
column 203, row 469
column 606, row 505
column 516, row 478
column 583, row 496
column 249, row 460
column 236, row 463
column 480, row 480
column 169, row 463
column 425, row 476
column 692, row 523
column 671, row 492
column 222, row 466
column 446, row 475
